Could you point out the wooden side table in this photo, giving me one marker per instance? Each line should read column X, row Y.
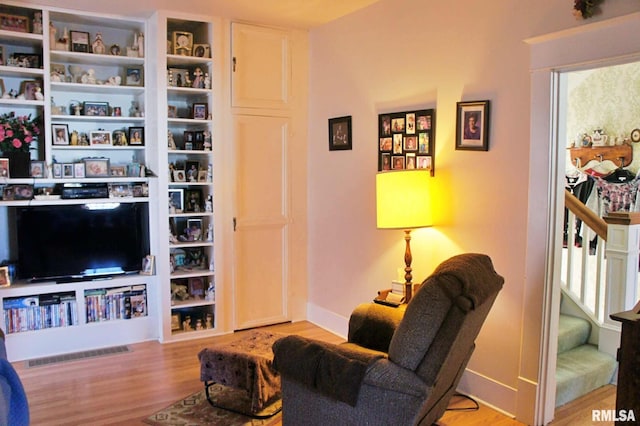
column 628, row 389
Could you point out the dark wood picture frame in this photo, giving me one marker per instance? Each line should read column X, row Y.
column 136, row 136
column 134, row 76
column 200, row 111
column 406, row 140
column 472, row 125
column 16, row 23
column 340, row 136
column 80, row 41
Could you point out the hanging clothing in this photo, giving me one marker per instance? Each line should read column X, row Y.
column 616, row 195
column 581, row 186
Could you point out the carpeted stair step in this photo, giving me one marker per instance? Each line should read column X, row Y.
column 572, row 332
column 581, row 370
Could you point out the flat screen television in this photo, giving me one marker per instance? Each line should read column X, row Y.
column 81, row 241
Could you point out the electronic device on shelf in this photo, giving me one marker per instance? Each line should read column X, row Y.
column 84, row 190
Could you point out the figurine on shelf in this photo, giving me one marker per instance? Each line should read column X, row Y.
column 210, row 173
column 74, row 138
column 134, row 110
column 172, row 143
column 52, row 35
column 207, row 140
column 207, row 81
column 208, row 207
column 98, row 45
column 210, row 233
column 198, row 80
column 140, row 45
column 37, row 23
column 89, row 77
column 38, row 94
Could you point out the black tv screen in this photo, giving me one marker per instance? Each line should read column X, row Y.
column 81, row 241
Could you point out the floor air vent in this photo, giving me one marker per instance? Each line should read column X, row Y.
column 39, row 362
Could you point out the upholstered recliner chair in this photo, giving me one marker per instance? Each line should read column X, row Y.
column 398, row 367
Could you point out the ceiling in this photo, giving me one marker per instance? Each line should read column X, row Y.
column 303, row 14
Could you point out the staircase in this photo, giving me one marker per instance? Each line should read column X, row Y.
column 580, row 368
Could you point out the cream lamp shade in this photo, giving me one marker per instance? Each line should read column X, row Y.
column 402, row 199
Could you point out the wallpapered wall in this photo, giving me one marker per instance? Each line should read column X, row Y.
column 606, row 98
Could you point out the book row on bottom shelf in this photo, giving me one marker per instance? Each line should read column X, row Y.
column 40, row 312
column 116, row 303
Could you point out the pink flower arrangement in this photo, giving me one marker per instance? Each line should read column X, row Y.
column 18, row 133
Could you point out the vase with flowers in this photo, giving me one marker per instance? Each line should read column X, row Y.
column 18, row 134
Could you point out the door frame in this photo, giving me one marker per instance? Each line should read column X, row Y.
column 607, row 42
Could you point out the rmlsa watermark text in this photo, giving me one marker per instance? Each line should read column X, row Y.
column 613, row 416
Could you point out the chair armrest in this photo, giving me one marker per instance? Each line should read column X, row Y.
column 387, row 375
column 372, row 325
column 333, row 370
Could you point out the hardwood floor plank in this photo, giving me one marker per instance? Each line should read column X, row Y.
column 126, row 388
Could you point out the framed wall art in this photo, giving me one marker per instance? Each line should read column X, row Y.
column 60, row 134
column 80, row 41
column 406, row 140
column 472, row 126
column 340, row 133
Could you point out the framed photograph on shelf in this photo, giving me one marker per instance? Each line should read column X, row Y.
column 100, row 138
column 202, row 50
column 192, row 168
column 80, row 41
column 120, row 138
column 472, row 126
column 27, row 60
column 176, row 200
column 100, row 109
column 78, row 170
column 179, row 175
column 182, row 43
column 199, row 111
column 5, row 279
column 195, row 229
column 178, row 77
column 134, row 170
column 57, row 170
column 406, row 140
column 193, row 200
column 196, row 287
column 4, row 168
column 14, row 23
column 38, row 169
column 148, row 265
column 133, row 76
column 340, row 133
column 60, row 134
column 29, row 88
column 118, row 171
column 172, row 111
column 96, row 167
column 67, row 170
column 136, row 136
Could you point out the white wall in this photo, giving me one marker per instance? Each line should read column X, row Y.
column 400, row 55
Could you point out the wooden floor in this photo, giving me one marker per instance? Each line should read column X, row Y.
column 126, row 388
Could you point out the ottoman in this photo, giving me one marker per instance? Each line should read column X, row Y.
column 239, row 376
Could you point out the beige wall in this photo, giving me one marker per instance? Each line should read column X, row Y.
column 399, row 55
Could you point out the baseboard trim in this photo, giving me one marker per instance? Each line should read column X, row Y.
column 328, row 320
column 491, row 393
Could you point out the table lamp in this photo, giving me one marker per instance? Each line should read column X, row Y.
column 403, row 202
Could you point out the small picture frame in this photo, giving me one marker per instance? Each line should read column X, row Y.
column 136, row 136
column 29, row 88
column 100, row 138
column 67, row 170
column 340, row 133
column 60, row 134
column 4, row 168
column 179, row 176
column 120, row 190
column 100, row 109
column 38, row 169
column 182, row 43
column 78, row 170
column 472, row 126
column 199, row 111
column 5, row 278
column 120, row 138
column 176, row 200
column 192, row 169
column 80, row 41
column 193, row 200
column 96, row 167
column 134, row 76
column 148, row 265
column 14, row 23
column 179, row 77
column 27, row 60
column 57, row 170
column 202, row 50
column 195, row 229
column 196, row 287
column 172, row 111
column 22, row 192
column 118, row 171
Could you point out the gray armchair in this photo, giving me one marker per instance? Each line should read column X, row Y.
column 399, row 366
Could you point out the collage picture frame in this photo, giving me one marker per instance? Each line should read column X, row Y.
column 406, row 140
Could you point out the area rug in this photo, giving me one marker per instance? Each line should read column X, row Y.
column 195, row 410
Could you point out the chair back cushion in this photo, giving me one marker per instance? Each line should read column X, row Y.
column 439, row 317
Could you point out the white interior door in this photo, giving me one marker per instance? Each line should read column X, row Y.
column 261, row 237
